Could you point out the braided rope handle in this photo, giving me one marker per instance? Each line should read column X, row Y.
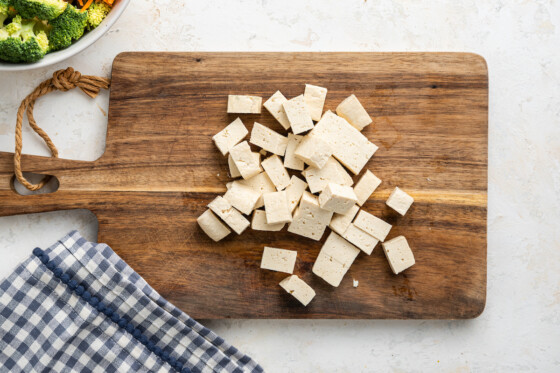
column 62, row 80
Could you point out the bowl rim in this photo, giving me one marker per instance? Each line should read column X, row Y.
column 90, row 38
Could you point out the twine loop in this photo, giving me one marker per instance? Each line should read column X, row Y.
column 62, row 80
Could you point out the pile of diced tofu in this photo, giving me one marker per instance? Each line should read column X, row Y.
column 323, row 147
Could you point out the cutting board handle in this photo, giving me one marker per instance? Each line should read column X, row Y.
column 63, row 199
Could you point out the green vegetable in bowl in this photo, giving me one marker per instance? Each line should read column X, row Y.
column 97, row 13
column 42, row 9
column 67, row 27
column 4, row 11
column 23, row 41
column 31, row 28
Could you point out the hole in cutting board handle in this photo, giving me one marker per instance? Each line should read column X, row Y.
column 51, row 186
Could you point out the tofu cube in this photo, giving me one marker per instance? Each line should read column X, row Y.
column 290, row 160
column 365, row 187
column 230, row 136
column 278, row 260
column 233, row 170
column 245, row 160
column 372, row 225
column 314, row 97
column 340, row 249
column 398, row 254
column 350, row 146
column 332, row 172
column 242, row 197
column 295, row 191
column 310, row 220
column 277, row 208
column 334, row 259
column 212, row 226
column 276, row 171
column 268, row 139
column 337, row 198
column 340, row 222
column 296, row 111
column 298, row 288
column 225, row 211
column 360, row 239
column 314, row 151
column 399, row 201
column 329, row 269
column 259, row 223
column 261, row 184
column 275, row 106
column 239, row 104
column 352, row 110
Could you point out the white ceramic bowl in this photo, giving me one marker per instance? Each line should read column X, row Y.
column 85, row 41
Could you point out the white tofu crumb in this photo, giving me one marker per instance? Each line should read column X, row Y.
column 212, row 226
column 314, row 151
column 337, row 198
column 275, row 106
column 242, row 197
column 310, row 220
column 278, row 260
column 225, row 211
column 296, row 111
column 230, row 136
column 276, row 171
column 259, row 223
column 245, row 160
column 360, row 239
column 290, row 160
column 277, row 208
column 332, row 172
column 261, row 184
column 314, row 97
column 399, row 201
column 240, row 104
column 233, row 170
column 269, row 140
column 340, row 222
column 355, row 283
column 350, row 146
column 372, row 225
column 229, row 184
column 352, row 110
column 262, row 152
column 365, row 187
column 294, row 191
column 398, row 254
column 298, row 288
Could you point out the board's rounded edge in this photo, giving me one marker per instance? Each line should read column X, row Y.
column 481, row 60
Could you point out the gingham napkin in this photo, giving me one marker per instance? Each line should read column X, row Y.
column 78, row 307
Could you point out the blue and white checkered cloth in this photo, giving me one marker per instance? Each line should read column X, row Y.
column 78, row 307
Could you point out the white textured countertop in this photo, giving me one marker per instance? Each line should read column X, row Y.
column 520, row 39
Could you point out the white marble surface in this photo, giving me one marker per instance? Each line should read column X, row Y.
column 520, row 39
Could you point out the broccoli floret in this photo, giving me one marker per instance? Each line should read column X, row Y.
column 67, row 27
column 42, row 9
column 4, row 11
column 97, row 13
column 20, row 42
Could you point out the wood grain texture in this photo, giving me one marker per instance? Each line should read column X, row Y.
column 160, row 169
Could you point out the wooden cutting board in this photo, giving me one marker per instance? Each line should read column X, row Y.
column 160, row 169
